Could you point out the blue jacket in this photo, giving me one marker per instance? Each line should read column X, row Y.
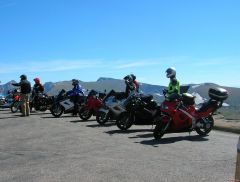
column 77, row 90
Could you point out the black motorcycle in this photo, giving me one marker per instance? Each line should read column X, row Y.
column 139, row 109
column 40, row 102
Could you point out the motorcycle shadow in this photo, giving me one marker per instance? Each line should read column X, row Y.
column 82, row 121
column 10, row 117
column 39, row 113
column 109, row 124
column 112, row 132
column 47, row 117
column 169, row 140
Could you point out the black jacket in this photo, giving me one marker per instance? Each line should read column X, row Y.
column 25, row 86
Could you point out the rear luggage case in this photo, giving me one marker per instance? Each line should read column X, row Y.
column 218, row 94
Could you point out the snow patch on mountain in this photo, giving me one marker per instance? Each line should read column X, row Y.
column 225, row 105
column 198, row 98
column 196, row 86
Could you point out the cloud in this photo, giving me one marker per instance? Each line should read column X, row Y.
column 50, row 66
column 164, row 61
column 214, row 61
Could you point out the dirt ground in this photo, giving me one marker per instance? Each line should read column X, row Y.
column 227, row 125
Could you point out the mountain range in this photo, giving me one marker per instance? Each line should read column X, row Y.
column 200, row 91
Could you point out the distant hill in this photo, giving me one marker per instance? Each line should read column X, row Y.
column 199, row 90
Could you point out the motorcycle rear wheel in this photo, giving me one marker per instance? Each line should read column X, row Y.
column 207, row 127
column 57, row 110
column 85, row 114
column 124, row 121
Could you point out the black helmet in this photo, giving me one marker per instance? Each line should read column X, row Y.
column 75, row 82
column 133, row 77
column 23, row 77
column 128, row 78
column 171, row 72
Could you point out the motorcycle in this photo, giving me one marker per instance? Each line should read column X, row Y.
column 111, row 107
column 40, row 102
column 16, row 104
column 138, row 109
column 94, row 102
column 2, row 100
column 62, row 104
column 182, row 116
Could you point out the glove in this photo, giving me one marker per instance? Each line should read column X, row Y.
column 164, row 91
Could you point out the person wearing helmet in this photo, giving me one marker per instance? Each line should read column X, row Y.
column 130, row 86
column 25, row 86
column 135, row 82
column 37, row 89
column 76, row 95
column 173, row 90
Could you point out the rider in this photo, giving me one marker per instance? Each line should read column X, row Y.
column 37, row 89
column 135, row 82
column 25, row 86
column 76, row 94
column 130, row 85
column 173, row 90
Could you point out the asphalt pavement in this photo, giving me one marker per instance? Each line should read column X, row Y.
column 42, row 148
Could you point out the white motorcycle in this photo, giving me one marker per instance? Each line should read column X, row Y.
column 62, row 104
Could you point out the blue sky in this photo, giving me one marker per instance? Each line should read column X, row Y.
column 87, row 39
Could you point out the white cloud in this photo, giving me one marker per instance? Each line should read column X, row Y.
column 163, row 61
column 50, row 66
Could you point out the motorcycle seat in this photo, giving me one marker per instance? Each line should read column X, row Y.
column 146, row 98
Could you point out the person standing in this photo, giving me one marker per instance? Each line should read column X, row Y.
column 25, row 87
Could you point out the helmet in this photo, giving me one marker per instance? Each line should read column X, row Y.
column 37, row 80
column 23, row 77
column 75, row 82
column 171, row 72
column 128, row 78
column 133, row 77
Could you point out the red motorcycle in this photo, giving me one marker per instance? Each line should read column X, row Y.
column 93, row 103
column 181, row 115
column 16, row 105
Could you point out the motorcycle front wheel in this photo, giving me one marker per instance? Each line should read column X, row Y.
column 57, row 110
column 124, row 121
column 85, row 114
column 159, row 131
column 15, row 106
column 102, row 117
column 208, row 124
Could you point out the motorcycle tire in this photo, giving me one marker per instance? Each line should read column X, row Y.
column 207, row 127
column 15, row 107
column 102, row 117
column 124, row 121
column 85, row 114
column 57, row 110
column 159, row 131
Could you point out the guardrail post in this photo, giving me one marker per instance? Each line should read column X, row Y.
column 237, row 173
